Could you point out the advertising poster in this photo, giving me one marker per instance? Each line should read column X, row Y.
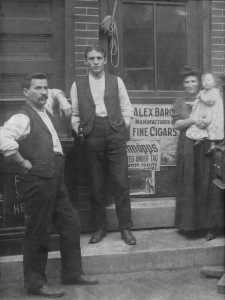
column 142, row 182
column 143, row 154
column 168, row 148
column 153, row 143
column 143, row 161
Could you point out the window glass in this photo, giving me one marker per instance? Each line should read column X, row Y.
column 170, row 45
column 154, row 45
column 138, row 46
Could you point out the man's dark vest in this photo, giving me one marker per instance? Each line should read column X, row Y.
column 87, row 106
column 37, row 147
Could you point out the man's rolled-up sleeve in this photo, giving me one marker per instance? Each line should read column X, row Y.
column 125, row 104
column 15, row 129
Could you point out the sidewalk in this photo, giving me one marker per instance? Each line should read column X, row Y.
column 163, row 265
column 185, row 284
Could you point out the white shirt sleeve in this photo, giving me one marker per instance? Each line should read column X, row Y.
column 55, row 92
column 53, row 98
column 15, row 129
column 125, row 105
column 75, row 119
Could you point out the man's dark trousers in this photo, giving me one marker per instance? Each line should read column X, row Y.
column 106, row 152
column 47, row 203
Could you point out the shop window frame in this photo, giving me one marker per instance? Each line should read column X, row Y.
column 196, row 9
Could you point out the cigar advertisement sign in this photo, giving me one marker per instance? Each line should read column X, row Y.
column 152, row 121
column 143, row 154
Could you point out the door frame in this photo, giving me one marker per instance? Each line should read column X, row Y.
column 11, row 239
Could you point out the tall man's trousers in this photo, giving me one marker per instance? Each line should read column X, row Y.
column 106, row 152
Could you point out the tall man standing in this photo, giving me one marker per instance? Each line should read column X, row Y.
column 101, row 112
column 30, row 139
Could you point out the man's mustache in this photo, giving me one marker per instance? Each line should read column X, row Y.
column 43, row 97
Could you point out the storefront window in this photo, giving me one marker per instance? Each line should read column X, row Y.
column 138, row 46
column 154, row 45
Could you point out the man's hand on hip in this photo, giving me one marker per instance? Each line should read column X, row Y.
column 25, row 166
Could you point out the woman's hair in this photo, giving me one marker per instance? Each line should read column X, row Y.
column 27, row 79
column 96, row 48
column 189, row 71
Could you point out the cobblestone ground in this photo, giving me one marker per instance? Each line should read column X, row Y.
column 159, row 285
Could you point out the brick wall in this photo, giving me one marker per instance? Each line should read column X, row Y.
column 218, row 37
column 86, row 14
column 86, row 20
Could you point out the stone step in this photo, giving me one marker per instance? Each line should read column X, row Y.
column 156, row 249
column 146, row 213
column 150, row 213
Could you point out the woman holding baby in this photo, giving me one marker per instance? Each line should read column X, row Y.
column 199, row 203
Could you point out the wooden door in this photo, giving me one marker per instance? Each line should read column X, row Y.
column 33, row 37
column 31, row 40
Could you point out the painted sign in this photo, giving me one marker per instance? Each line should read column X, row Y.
column 143, row 154
column 13, row 202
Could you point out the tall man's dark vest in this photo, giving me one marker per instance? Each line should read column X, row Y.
column 37, row 147
column 87, row 106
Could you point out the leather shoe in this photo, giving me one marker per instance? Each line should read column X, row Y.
column 97, row 236
column 81, row 279
column 47, row 291
column 128, row 237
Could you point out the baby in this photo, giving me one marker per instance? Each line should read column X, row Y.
column 207, row 107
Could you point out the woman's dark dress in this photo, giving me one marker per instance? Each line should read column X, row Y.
column 199, row 203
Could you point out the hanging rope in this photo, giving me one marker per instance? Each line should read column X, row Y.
column 108, row 25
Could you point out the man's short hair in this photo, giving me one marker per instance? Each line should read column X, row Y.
column 25, row 84
column 96, row 48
